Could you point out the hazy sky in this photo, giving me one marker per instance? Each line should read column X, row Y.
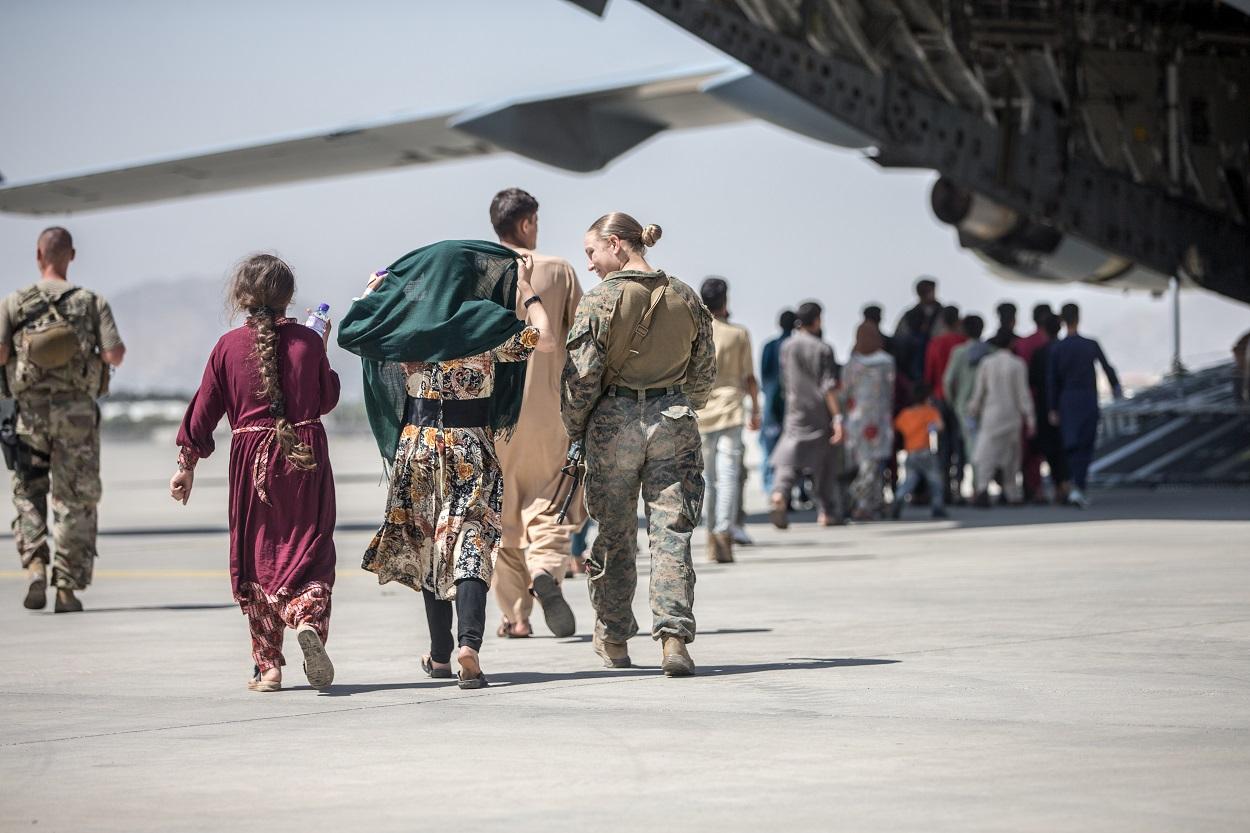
column 86, row 84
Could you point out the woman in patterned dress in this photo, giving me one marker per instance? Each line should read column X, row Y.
column 868, row 383
column 442, row 529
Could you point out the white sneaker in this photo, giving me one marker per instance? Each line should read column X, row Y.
column 1077, row 498
column 741, row 538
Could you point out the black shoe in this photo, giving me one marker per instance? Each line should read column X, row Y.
column 939, row 514
column 556, row 610
column 67, row 602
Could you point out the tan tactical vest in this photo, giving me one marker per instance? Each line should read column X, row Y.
column 56, row 342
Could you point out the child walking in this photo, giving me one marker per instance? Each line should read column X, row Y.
column 915, row 423
column 272, row 381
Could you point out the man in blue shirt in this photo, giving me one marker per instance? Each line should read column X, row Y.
column 1072, row 392
column 774, row 396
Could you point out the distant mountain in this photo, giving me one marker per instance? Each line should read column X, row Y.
column 170, row 327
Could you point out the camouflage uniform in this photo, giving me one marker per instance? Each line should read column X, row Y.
column 634, row 443
column 58, row 420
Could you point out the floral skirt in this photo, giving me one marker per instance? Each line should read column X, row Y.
column 443, row 509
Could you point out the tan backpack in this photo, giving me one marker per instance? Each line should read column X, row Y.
column 51, row 341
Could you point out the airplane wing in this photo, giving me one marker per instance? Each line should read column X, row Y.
column 577, row 129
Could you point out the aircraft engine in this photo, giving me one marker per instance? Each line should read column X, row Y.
column 1018, row 248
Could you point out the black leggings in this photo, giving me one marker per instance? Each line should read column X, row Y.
column 470, row 618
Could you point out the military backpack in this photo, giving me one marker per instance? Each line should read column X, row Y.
column 55, row 340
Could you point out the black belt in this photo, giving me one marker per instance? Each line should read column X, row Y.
column 649, row 393
column 447, row 413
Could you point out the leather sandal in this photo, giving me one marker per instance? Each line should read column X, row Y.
column 259, row 684
column 427, row 665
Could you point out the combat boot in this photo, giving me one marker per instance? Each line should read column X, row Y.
column 724, row 547
column 66, row 601
column 677, row 661
column 614, row 654
column 37, row 593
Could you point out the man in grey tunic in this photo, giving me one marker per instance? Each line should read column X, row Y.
column 812, row 428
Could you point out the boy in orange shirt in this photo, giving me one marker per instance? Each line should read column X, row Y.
column 914, row 424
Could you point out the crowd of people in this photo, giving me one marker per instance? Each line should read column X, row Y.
column 490, row 381
column 966, row 414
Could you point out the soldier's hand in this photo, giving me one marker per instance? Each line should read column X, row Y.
column 836, row 439
column 180, row 486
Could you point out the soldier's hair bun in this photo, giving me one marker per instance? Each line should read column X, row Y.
column 651, row 235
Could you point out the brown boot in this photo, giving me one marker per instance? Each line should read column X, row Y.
column 677, row 661
column 37, row 592
column 724, row 547
column 713, row 548
column 614, row 654
column 66, row 601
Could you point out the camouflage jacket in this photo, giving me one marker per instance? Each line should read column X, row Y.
column 677, row 350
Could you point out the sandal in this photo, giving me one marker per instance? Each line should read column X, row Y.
column 427, row 665
column 470, row 682
column 317, row 665
column 507, row 630
column 257, row 683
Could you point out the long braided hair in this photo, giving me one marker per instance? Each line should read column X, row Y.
column 262, row 286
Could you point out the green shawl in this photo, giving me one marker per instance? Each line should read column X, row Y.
column 445, row 301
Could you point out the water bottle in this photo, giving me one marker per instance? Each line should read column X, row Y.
column 319, row 321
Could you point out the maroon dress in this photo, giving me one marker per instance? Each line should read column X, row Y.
column 281, row 518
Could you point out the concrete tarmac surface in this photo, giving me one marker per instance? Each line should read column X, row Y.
column 1035, row 669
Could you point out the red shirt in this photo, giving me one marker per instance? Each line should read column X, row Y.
column 1027, row 346
column 937, row 357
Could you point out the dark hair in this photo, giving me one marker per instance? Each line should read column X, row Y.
column 509, row 207
column 919, row 393
column 872, row 313
column 787, row 321
column 1002, row 339
column 56, row 243
column 809, row 313
column 1006, row 311
column 950, row 316
column 973, row 326
column 925, row 285
column 1071, row 314
column 715, row 293
column 637, row 237
column 1051, row 326
column 1041, row 314
column 262, row 286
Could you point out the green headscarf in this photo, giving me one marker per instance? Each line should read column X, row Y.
column 445, row 301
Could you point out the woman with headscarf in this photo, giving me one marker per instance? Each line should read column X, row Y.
column 444, row 358
column 868, row 384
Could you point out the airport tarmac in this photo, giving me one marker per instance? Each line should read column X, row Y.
column 1033, row 669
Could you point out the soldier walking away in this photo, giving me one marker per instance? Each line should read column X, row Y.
column 57, row 342
column 641, row 360
column 535, row 546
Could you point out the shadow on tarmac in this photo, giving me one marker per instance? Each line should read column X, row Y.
column 515, row 678
column 173, row 607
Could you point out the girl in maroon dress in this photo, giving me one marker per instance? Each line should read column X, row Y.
column 271, row 379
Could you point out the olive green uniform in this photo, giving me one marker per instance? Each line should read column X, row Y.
column 57, row 419
column 635, row 412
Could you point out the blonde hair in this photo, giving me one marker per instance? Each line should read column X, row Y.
column 263, row 286
column 629, row 230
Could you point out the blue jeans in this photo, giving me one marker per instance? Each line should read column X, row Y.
column 922, row 465
column 770, row 435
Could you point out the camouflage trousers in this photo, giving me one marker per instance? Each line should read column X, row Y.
column 651, row 447
column 65, row 429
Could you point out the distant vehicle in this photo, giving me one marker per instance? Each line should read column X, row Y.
column 1105, row 142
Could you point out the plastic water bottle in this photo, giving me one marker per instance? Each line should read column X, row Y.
column 320, row 319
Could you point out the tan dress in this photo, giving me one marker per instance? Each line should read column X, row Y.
column 442, row 520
